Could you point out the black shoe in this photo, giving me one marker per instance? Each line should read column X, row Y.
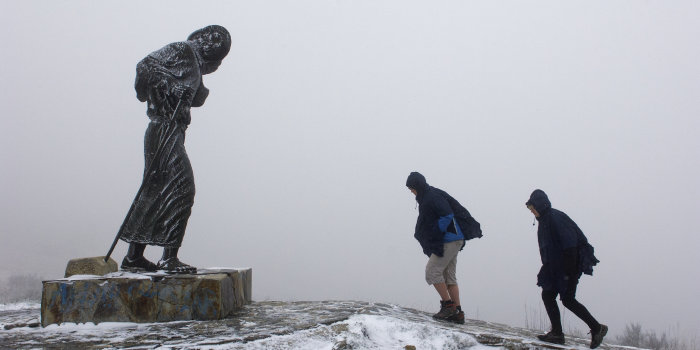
column 551, row 337
column 457, row 318
column 174, row 265
column 139, row 264
column 447, row 310
column 597, row 337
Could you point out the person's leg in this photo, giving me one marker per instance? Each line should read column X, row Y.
column 453, row 290
column 435, row 272
column 598, row 331
column 556, row 335
column 447, row 307
column 435, row 276
column 569, row 300
column 441, row 288
column 459, row 317
column 549, row 298
column 450, row 273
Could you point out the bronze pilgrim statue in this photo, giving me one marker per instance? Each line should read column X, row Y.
column 169, row 80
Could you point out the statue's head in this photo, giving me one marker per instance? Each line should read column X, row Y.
column 214, row 43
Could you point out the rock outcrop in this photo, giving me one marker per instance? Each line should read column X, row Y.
column 90, row 266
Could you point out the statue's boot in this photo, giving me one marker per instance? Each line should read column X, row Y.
column 171, row 264
column 134, row 260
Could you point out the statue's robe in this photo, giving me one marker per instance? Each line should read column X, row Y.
column 164, row 205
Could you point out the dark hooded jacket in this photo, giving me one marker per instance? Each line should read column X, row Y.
column 433, row 204
column 564, row 249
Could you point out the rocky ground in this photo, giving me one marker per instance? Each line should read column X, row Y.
column 329, row 325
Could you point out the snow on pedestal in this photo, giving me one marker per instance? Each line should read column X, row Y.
column 209, row 294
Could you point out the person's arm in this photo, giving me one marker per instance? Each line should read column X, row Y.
column 565, row 229
column 444, row 213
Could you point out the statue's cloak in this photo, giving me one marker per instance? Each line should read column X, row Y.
column 164, row 204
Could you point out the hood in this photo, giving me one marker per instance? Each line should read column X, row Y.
column 417, row 182
column 540, row 201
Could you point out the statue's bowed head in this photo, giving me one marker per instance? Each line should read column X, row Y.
column 214, row 42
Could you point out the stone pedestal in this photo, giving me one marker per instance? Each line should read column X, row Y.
column 145, row 297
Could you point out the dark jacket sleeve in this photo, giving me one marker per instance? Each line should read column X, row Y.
column 428, row 232
column 441, row 208
column 559, row 252
column 565, row 230
column 440, row 205
column 568, row 236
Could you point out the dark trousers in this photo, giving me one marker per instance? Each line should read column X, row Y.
column 568, row 298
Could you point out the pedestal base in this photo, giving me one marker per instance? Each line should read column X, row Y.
column 145, row 297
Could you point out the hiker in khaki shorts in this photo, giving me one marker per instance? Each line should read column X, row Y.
column 440, row 234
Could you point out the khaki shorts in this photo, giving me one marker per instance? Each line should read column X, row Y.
column 444, row 269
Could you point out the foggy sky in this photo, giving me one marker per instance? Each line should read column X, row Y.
column 323, row 108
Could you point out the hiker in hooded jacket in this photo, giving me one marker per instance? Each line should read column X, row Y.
column 439, row 233
column 566, row 255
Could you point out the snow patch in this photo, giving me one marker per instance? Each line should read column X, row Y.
column 120, row 274
column 383, row 332
column 20, row 306
column 364, row 332
column 248, row 324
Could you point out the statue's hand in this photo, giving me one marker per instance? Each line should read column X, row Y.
column 183, row 93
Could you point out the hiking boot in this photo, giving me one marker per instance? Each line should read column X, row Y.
column 457, row 318
column 597, row 337
column 447, row 310
column 552, row 337
column 139, row 264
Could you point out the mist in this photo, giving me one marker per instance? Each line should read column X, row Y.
column 322, row 109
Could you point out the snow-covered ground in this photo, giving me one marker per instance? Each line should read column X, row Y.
column 20, row 306
column 327, row 325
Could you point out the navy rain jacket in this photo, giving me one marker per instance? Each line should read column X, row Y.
column 564, row 249
column 435, row 204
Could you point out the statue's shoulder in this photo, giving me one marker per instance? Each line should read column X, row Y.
column 180, row 50
column 175, row 59
column 170, row 55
